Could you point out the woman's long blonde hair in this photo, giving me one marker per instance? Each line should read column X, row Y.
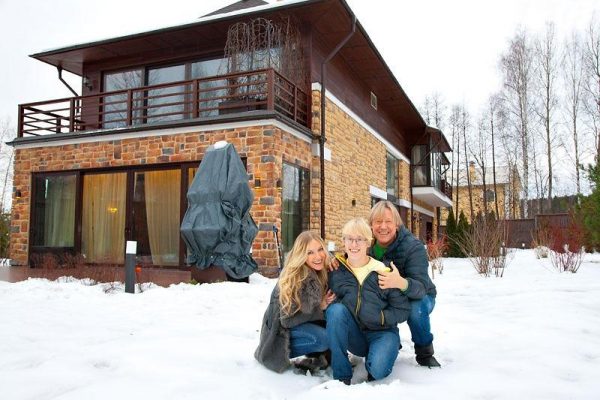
column 296, row 272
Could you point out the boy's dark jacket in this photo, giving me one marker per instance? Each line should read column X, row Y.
column 372, row 307
column 410, row 257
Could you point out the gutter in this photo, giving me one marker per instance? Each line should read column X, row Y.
column 60, row 78
column 322, row 137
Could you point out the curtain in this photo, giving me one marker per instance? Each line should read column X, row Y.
column 103, row 217
column 59, row 211
column 163, row 216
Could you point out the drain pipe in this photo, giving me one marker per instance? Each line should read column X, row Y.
column 322, row 138
column 60, row 78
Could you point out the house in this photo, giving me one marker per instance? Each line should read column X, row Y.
column 503, row 198
column 298, row 87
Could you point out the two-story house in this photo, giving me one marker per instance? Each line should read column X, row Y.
column 298, row 87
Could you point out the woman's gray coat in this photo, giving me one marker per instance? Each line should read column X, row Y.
column 274, row 348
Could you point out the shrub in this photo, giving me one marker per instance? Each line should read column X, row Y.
column 435, row 252
column 566, row 248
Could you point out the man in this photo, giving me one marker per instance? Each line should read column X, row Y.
column 407, row 258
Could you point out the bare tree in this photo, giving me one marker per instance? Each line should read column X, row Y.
column 573, row 65
column 592, row 82
column 7, row 132
column 434, row 110
column 546, row 57
column 455, row 130
column 479, row 148
column 495, row 117
column 517, row 69
column 464, row 127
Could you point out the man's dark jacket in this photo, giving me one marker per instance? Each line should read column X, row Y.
column 410, row 257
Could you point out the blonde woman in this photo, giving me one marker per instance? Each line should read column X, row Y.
column 364, row 318
column 293, row 322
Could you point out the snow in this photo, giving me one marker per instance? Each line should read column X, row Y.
column 534, row 334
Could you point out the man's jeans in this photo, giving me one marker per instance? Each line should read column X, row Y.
column 307, row 338
column 379, row 347
column 418, row 321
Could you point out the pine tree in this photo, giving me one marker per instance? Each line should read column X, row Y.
column 588, row 211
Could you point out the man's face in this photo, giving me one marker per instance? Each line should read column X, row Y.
column 384, row 228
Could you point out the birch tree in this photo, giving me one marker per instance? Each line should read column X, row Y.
column 572, row 77
column 592, row 81
column 517, row 71
column 546, row 57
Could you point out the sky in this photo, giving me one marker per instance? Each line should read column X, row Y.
column 532, row 334
column 451, row 47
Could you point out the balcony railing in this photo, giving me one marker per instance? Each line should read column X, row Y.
column 207, row 97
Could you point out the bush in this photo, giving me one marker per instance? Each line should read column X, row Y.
column 435, row 252
column 566, row 247
column 455, row 232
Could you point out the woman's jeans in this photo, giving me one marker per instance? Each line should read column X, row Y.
column 418, row 321
column 307, row 338
column 379, row 347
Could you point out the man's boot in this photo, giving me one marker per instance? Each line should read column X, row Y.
column 425, row 356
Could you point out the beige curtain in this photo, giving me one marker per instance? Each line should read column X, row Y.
column 59, row 213
column 103, row 215
column 162, row 212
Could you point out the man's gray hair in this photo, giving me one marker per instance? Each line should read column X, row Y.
column 378, row 210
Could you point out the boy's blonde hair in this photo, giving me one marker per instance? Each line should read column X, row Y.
column 357, row 227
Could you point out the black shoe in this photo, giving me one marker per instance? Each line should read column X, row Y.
column 345, row 381
column 429, row 362
column 370, row 377
column 312, row 363
column 425, row 356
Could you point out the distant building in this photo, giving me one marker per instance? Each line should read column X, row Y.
column 506, row 193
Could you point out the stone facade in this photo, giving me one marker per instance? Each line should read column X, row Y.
column 264, row 147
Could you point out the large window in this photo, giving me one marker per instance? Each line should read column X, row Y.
column 53, row 211
column 93, row 213
column 167, row 103
column 295, row 207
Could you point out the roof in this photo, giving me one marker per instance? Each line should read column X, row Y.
column 240, row 5
column 502, row 176
column 330, row 21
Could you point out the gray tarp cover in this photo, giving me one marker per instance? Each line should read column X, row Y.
column 217, row 227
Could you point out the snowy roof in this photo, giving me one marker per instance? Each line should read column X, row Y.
column 502, row 176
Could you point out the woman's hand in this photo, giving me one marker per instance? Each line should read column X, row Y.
column 328, row 298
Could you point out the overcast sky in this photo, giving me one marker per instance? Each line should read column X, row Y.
column 451, row 47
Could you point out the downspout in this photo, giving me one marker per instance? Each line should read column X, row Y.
column 322, row 138
column 60, row 78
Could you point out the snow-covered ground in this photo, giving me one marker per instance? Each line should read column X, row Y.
column 533, row 334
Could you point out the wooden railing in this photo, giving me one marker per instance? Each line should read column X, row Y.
column 207, row 97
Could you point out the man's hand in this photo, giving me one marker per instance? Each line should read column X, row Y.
column 392, row 279
column 334, row 264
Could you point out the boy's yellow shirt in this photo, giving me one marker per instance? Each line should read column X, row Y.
column 362, row 272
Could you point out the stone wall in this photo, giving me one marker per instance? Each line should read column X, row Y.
column 265, row 148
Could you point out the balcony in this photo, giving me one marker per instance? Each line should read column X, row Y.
column 204, row 98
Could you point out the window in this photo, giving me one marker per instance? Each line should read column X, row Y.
column 93, row 213
column 103, row 218
column 115, row 107
column 490, row 196
column 53, row 211
column 295, row 208
column 392, row 175
column 167, row 103
column 156, row 216
column 420, row 167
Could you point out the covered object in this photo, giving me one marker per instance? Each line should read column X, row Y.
column 217, row 227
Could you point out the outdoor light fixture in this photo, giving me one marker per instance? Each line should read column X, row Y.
column 18, row 194
column 278, row 184
column 257, row 183
column 87, row 82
